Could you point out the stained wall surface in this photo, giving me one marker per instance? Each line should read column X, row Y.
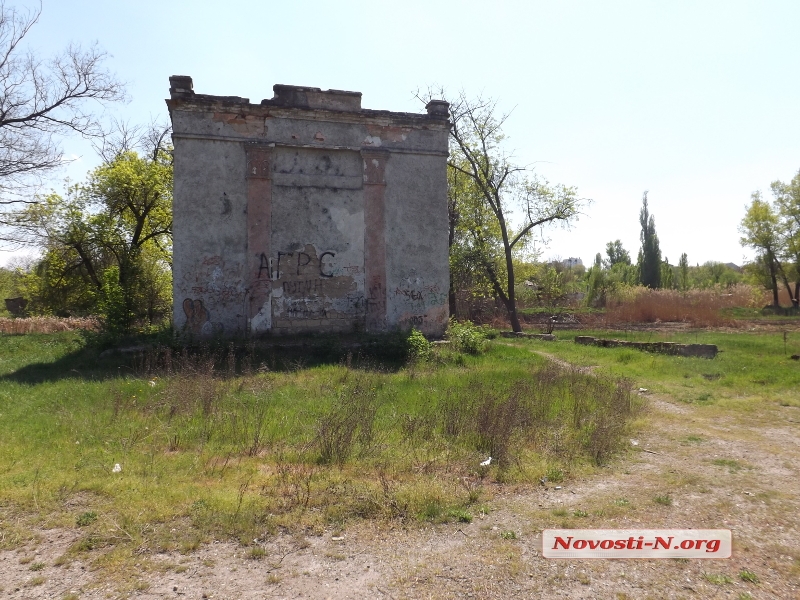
column 307, row 213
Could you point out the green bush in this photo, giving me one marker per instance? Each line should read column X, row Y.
column 117, row 317
column 467, row 337
column 419, row 348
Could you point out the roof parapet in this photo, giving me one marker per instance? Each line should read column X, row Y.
column 314, row 98
column 438, row 108
column 180, row 86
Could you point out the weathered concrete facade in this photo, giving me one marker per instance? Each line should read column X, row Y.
column 307, row 213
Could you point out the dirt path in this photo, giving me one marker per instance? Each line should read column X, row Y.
column 753, row 489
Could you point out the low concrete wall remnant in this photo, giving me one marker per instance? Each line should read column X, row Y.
column 695, row 350
column 549, row 337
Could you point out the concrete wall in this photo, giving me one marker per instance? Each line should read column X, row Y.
column 307, row 213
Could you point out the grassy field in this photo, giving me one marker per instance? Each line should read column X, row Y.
column 263, row 442
column 168, row 450
column 750, row 366
column 217, row 444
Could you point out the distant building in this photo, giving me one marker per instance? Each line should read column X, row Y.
column 571, row 262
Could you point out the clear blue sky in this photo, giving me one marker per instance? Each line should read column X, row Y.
column 697, row 102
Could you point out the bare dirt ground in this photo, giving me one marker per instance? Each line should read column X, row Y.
column 752, row 489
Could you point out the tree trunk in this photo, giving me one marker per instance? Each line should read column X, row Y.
column 773, row 276
column 511, row 302
column 500, row 293
column 452, row 218
column 512, row 313
column 788, row 287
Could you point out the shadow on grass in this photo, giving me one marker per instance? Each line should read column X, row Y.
column 144, row 356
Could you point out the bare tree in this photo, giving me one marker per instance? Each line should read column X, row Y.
column 153, row 140
column 41, row 100
column 506, row 190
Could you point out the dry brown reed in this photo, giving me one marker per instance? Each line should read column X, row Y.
column 700, row 308
column 47, row 324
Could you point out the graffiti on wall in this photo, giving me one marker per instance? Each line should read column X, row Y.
column 198, row 318
column 421, row 306
column 311, row 285
column 214, row 279
column 422, row 295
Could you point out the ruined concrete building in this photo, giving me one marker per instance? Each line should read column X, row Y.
column 307, row 213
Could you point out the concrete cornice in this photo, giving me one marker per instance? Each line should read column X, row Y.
column 364, row 116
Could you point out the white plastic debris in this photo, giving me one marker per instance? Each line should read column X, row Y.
column 634, row 442
column 117, row 468
column 152, row 383
column 643, row 390
column 487, row 462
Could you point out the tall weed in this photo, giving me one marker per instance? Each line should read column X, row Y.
column 556, row 410
column 349, row 422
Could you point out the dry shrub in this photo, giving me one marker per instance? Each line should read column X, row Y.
column 204, row 386
column 349, row 421
column 47, row 325
column 561, row 411
column 701, row 308
column 498, row 418
column 192, row 379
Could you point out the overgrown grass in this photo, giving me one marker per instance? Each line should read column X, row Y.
column 222, row 444
column 750, row 366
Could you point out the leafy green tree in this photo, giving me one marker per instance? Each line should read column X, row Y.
column 760, row 229
column 787, row 200
column 8, row 287
column 712, row 274
column 473, row 241
column 616, row 254
column 117, row 226
column 650, row 253
column 683, row 272
column 56, row 285
column 623, row 274
column 716, row 270
column 135, row 194
column 757, row 273
column 551, row 284
column 502, row 189
column 667, row 277
column 597, row 283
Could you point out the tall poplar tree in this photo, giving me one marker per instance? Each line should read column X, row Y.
column 650, row 253
column 683, row 270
